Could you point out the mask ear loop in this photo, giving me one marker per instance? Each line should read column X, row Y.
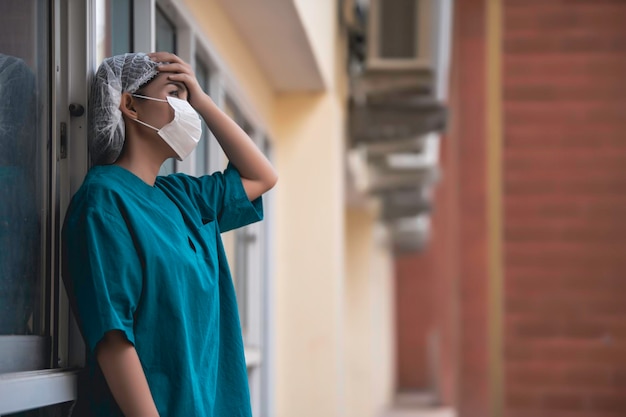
column 146, row 124
column 149, row 98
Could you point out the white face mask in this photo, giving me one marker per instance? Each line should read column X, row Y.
column 184, row 132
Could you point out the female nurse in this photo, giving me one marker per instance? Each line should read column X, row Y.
column 143, row 261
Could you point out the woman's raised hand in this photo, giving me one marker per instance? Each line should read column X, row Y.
column 182, row 72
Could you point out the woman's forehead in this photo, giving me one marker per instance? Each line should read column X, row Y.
column 161, row 80
column 158, row 81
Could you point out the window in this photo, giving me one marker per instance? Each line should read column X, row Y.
column 114, row 28
column 28, row 215
column 24, row 162
column 400, row 34
column 165, row 41
column 202, row 151
column 243, row 237
column 165, row 32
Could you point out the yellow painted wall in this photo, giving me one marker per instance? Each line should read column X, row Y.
column 383, row 326
column 368, row 317
column 309, row 213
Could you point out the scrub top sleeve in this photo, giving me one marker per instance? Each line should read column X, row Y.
column 237, row 210
column 103, row 274
column 221, row 196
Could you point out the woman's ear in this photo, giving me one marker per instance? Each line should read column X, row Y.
column 127, row 106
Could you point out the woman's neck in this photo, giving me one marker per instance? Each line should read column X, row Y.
column 147, row 171
column 143, row 156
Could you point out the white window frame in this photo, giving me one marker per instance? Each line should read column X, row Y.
column 424, row 45
column 23, row 391
column 181, row 46
column 200, row 59
column 266, row 380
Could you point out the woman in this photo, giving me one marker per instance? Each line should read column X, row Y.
column 143, row 260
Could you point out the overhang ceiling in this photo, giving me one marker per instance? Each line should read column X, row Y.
column 276, row 35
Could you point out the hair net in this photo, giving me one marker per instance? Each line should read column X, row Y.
column 116, row 75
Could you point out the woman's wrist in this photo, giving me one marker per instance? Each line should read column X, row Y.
column 202, row 102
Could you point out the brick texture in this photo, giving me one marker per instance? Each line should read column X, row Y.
column 468, row 107
column 564, row 174
column 414, row 321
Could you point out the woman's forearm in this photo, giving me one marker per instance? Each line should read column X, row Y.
column 238, row 147
column 122, row 370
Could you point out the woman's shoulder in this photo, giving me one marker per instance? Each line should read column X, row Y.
column 101, row 179
column 174, row 180
column 102, row 190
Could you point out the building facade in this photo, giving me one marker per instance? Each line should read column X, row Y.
column 314, row 280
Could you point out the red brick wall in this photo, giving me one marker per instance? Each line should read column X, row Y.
column 468, row 112
column 414, row 320
column 565, row 207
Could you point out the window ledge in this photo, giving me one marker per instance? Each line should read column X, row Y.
column 21, row 391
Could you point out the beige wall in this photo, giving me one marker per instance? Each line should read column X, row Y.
column 369, row 329
column 309, row 213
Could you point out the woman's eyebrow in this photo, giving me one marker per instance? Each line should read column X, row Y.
column 178, row 84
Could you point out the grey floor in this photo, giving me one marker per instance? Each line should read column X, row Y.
column 424, row 412
column 417, row 404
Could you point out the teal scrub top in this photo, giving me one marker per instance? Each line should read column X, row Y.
column 149, row 261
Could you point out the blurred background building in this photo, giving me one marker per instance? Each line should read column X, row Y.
column 447, row 232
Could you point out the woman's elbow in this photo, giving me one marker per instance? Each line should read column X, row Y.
column 272, row 180
column 269, row 180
